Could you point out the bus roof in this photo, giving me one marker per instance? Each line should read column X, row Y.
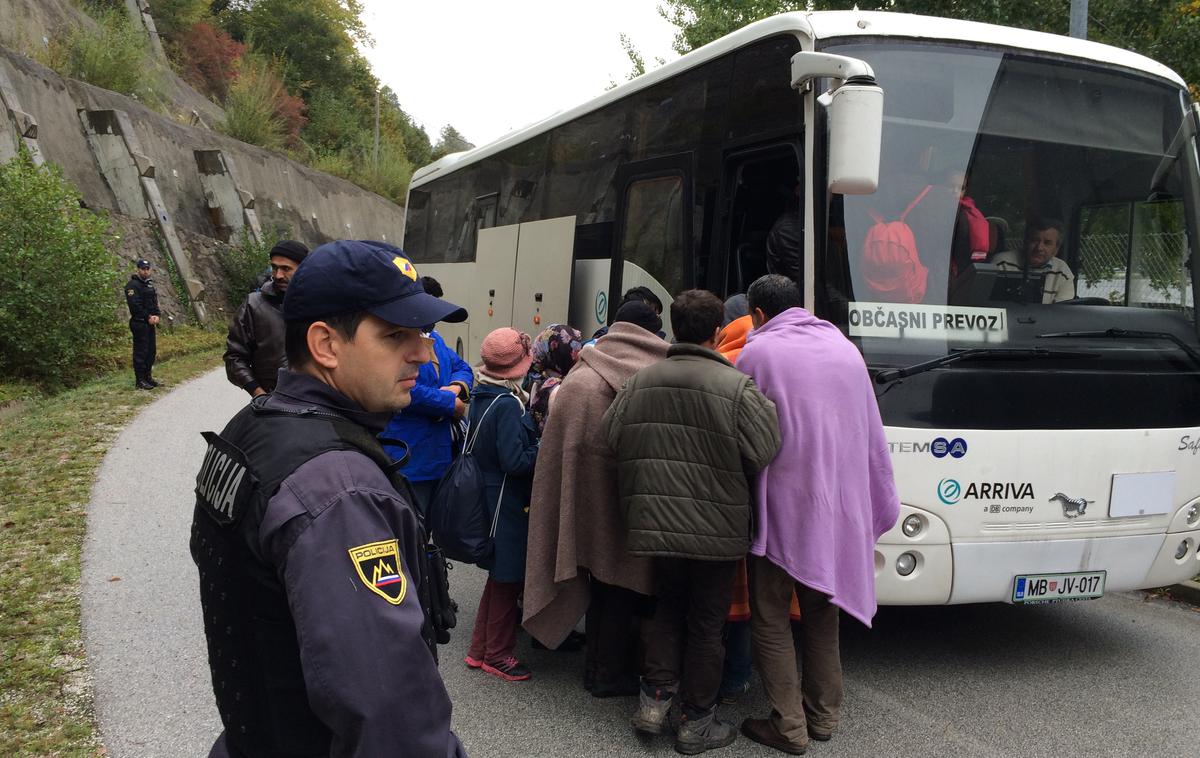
column 819, row 25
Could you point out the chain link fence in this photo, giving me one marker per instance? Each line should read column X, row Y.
column 1152, row 269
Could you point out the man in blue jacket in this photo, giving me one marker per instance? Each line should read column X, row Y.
column 438, row 402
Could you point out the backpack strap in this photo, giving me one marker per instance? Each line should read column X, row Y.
column 915, row 201
column 469, row 440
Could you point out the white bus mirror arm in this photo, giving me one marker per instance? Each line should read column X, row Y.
column 807, row 66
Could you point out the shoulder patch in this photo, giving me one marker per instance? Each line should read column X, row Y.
column 379, row 567
column 131, row 293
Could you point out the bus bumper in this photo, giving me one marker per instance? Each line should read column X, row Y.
column 983, row 572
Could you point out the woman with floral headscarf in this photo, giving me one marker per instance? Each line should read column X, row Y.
column 555, row 351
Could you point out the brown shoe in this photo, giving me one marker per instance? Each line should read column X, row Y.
column 818, row 735
column 764, row 732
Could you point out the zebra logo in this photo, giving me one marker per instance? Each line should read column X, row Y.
column 1073, row 507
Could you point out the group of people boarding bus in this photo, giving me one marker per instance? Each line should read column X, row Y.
column 689, row 502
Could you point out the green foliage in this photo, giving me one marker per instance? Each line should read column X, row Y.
column 450, row 141
column 251, row 109
column 58, row 305
column 243, row 262
column 316, row 38
column 322, row 87
column 173, row 18
column 114, row 54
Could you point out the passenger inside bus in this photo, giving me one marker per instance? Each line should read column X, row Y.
column 1039, row 256
column 765, row 192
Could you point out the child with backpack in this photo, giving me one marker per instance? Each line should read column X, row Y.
column 504, row 440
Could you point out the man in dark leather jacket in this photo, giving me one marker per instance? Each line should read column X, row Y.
column 254, row 350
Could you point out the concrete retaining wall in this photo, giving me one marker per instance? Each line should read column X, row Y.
column 128, row 159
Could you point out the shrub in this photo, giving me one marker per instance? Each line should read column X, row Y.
column 243, row 263
column 58, row 302
column 173, row 18
column 259, row 109
column 208, row 59
column 114, row 54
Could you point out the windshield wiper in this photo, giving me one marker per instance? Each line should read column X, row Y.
column 1132, row 334
column 1022, row 353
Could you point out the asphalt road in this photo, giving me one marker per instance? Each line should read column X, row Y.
column 1114, row 677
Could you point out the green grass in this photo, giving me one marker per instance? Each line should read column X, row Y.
column 50, row 449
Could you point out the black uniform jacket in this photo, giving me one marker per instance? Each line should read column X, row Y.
column 142, row 298
column 333, row 532
column 254, row 350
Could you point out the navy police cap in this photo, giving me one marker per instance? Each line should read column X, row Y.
column 358, row 275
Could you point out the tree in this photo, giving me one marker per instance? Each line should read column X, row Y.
column 58, row 302
column 450, row 141
column 173, row 18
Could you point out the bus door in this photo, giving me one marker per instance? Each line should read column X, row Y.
column 653, row 244
column 760, row 188
column 522, row 278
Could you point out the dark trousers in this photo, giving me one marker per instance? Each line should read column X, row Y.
column 495, row 633
column 143, row 349
column 810, row 698
column 611, row 636
column 683, row 638
column 424, row 494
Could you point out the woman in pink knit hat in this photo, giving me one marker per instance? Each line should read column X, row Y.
column 505, row 443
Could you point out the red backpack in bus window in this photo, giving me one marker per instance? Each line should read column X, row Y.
column 891, row 264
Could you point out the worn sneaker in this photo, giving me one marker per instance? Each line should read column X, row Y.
column 473, row 663
column 707, row 732
column 143, row 385
column 651, row 714
column 509, row 669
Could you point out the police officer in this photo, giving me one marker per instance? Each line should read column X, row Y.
column 142, row 299
column 309, row 550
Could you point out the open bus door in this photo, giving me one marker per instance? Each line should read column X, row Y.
column 653, row 244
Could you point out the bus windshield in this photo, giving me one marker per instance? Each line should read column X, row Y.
column 1018, row 196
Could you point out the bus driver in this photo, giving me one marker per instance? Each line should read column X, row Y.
column 1043, row 239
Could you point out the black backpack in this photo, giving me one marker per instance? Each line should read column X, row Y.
column 458, row 513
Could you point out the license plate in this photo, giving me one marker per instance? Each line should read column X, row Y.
column 1050, row 588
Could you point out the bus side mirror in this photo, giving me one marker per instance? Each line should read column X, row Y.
column 855, row 105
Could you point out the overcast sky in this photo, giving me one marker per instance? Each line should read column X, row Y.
column 490, row 67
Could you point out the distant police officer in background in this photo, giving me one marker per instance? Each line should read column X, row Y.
column 309, row 550
column 142, row 299
column 254, row 349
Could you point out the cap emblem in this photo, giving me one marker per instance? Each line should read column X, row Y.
column 405, row 267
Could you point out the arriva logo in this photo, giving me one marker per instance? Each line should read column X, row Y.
column 949, row 491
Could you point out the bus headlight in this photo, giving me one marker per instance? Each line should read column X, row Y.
column 1193, row 514
column 1182, row 551
column 912, row 526
column 906, row 564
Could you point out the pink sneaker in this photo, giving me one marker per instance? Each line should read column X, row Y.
column 509, row 669
column 472, row 663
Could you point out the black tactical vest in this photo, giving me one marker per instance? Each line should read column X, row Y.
column 253, row 654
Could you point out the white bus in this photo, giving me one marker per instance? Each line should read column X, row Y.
column 1046, row 437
